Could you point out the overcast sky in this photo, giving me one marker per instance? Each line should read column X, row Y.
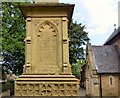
column 99, row 17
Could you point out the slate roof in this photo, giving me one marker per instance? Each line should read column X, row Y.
column 107, row 59
column 114, row 34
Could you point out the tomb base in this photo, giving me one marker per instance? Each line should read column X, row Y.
column 46, row 85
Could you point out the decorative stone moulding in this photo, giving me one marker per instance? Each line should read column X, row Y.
column 47, row 85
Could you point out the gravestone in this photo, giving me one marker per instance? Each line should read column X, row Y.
column 47, row 71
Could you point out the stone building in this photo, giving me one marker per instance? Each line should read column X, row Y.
column 102, row 69
column 83, row 78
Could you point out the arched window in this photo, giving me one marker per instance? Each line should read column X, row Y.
column 111, row 81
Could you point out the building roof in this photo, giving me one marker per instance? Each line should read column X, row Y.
column 114, row 34
column 107, row 59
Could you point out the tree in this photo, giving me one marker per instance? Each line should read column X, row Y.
column 13, row 34
column 78, row 37
column 76, row 68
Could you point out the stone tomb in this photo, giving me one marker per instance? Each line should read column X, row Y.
column 47, row 71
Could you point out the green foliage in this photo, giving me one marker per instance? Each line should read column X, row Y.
column 7, row 86
column 13, row 33
column 78, row 37
column 76, row 68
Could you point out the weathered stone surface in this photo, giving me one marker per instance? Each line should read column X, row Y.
column 47, row 85
column 47, row 71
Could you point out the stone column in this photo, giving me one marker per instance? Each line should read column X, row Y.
column 66, row 65
column 28, row 46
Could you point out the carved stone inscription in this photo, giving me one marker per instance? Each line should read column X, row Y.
column 47, row 47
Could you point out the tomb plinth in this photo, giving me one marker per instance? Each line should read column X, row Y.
column 47, row 71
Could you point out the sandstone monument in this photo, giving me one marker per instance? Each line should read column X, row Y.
column 47, row 71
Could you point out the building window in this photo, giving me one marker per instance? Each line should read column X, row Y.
column 111, row 81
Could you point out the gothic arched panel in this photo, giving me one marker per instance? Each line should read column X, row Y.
column 47, row 49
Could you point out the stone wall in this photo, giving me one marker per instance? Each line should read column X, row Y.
column 109, row 88
column 92, row 78
column 119, row 87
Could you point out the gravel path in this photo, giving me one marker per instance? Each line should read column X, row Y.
column 7, row 93
column 82, row 92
